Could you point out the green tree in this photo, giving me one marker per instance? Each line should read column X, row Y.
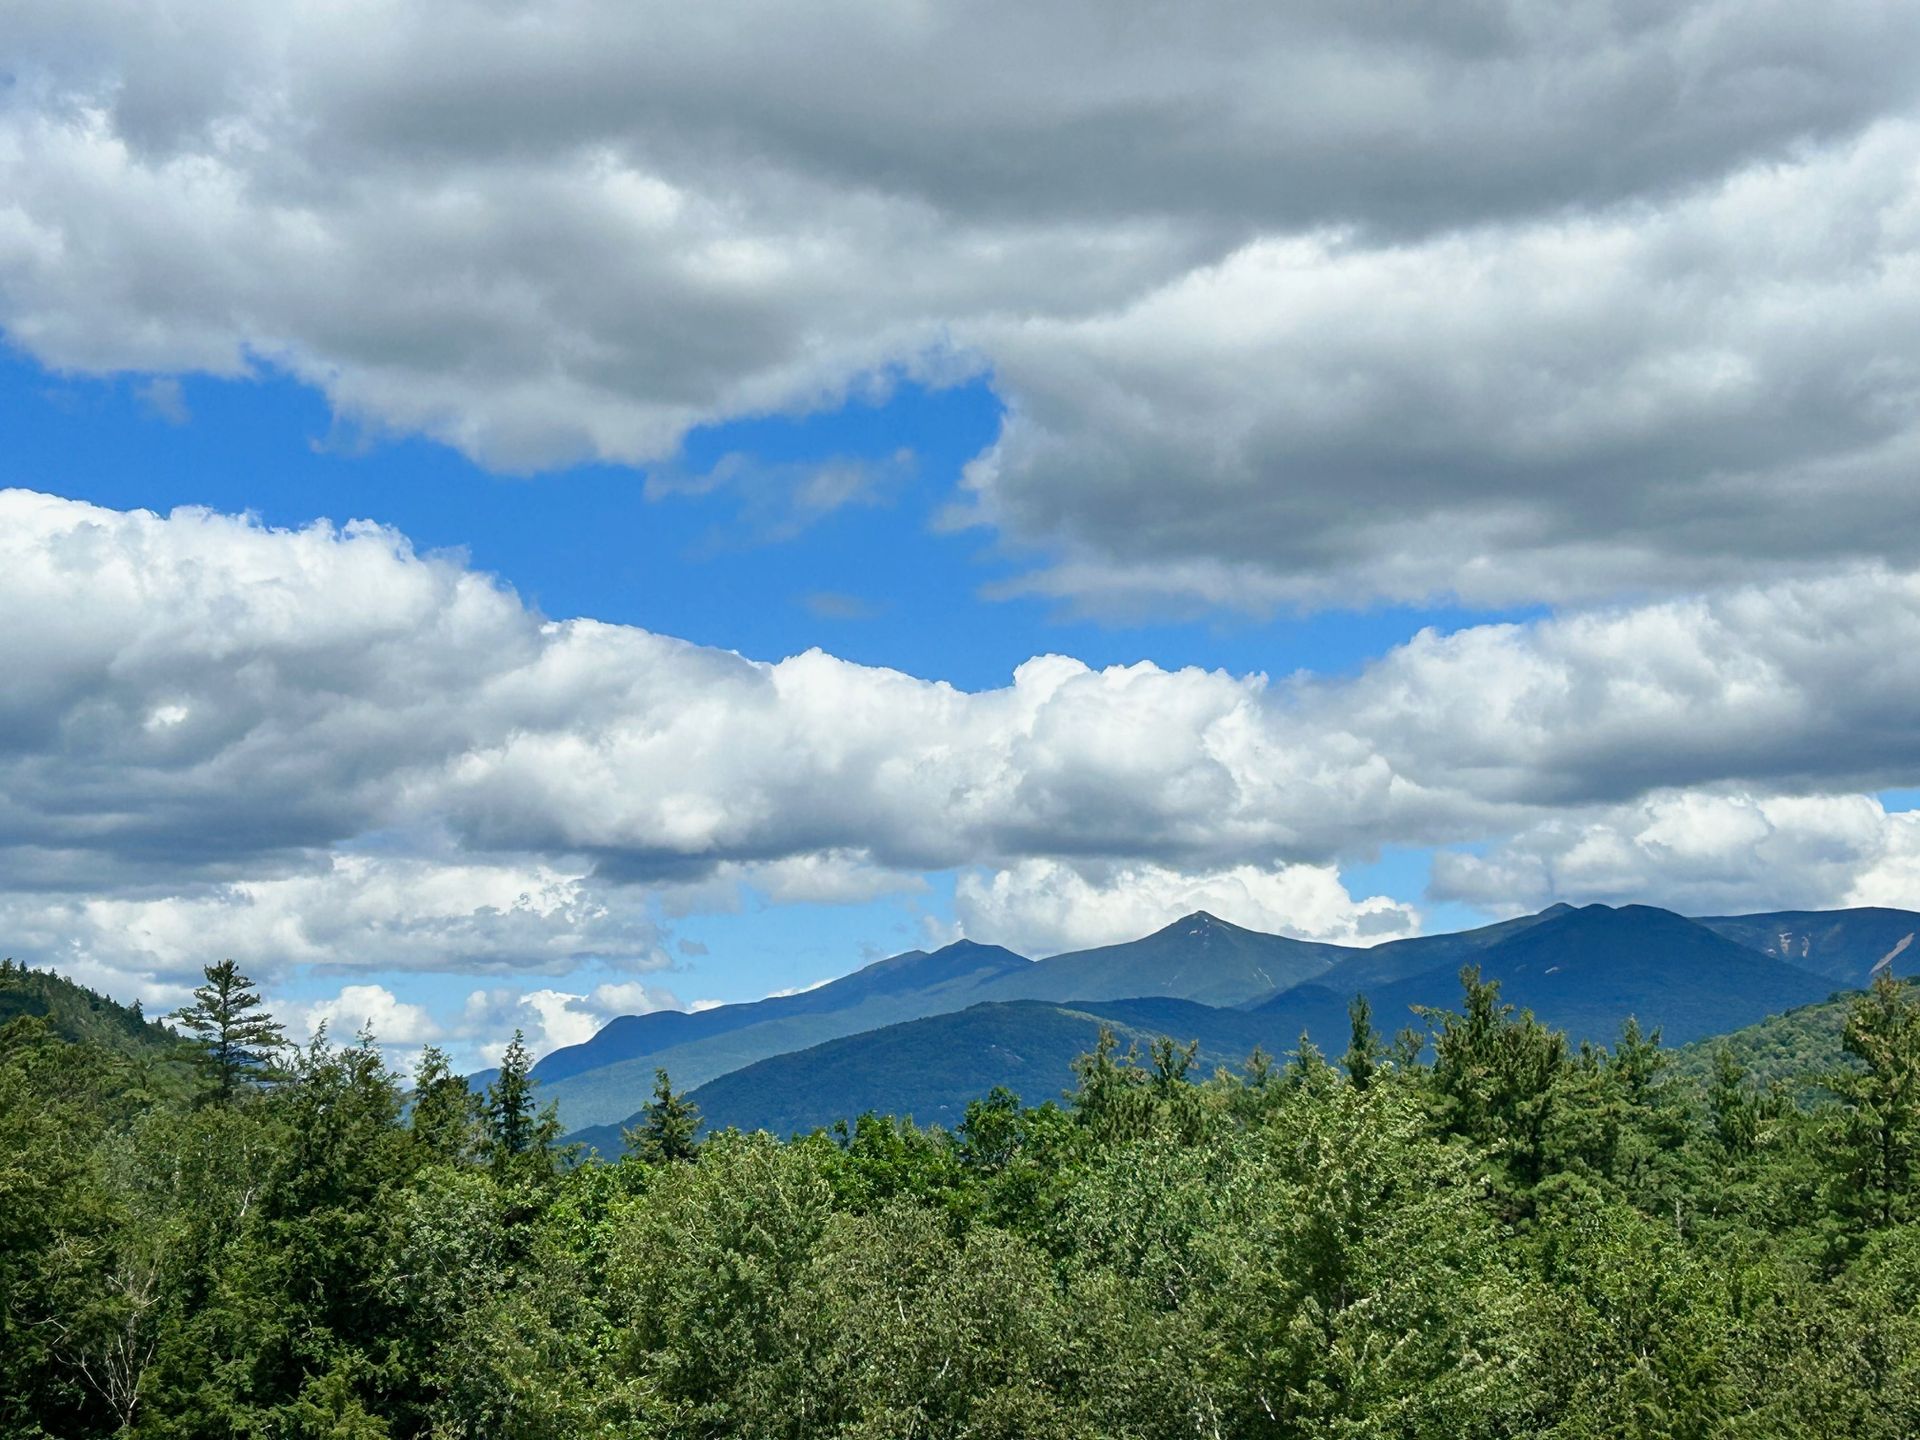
column 1732, row 1104
column 1365, row 1047
column 446, row 1112
column 1878, row 1144
column 1493, row 1079
column 668, row 1125
column 520, row 1135
column 509, row 1108
column 234, row 1039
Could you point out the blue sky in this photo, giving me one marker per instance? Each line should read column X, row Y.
column 588, row 541
column 1440, row 497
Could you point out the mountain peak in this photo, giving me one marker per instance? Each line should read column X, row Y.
column 1200, row 922
column 967, row 949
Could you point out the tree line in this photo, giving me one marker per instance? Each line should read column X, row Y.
column 1468, row 1229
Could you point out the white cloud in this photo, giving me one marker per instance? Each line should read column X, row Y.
column 355, row 911
column 550, row 1018
column 164, row 399
column 1703, row 853
column 392, row 1021
column 1639, row 399
column 1042, row 907
column 320, row 748
column 1526, row 300
column 799, row 989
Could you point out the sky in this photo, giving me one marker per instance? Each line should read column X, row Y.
column 518, row 515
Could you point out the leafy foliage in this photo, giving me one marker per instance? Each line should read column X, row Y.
column 1479, row 1231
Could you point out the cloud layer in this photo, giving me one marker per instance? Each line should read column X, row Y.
column 1514, row 300
column 1043, row 907
column 1704, row 853
column 320, row 747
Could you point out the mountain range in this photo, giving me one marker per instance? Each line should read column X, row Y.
column 923, row 1033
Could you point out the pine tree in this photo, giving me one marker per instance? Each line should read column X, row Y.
column 509, row 1108
column 1365, row 1047
column 234, row 1039
column 1878, row 1154
column 666, row 1133
column 445, row 1110
column 1731, row 1104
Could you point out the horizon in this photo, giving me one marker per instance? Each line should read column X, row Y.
column 510, row 520
column 402, row 1066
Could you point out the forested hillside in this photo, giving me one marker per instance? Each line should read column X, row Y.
column 1495, row 1234
column 73, row 1012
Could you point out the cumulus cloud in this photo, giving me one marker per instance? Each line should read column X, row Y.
column 371, row 1009
column 197, row 692
column 550, row 1018
column 319, row 747
column 1703, row 853
column 1043, row 907
column 1290, row 304
column 355, row 911
column 1573, row 406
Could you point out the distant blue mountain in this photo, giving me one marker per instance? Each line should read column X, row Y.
column 931, row 1068
column 604, row 1079
column 1200, row 957
column 1844, row 945
column 891, row 1036
column 1585, row 971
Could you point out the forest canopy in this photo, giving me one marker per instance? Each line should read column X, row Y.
column 1476, row 1230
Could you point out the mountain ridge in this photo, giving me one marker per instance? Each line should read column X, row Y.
column 1694, row 977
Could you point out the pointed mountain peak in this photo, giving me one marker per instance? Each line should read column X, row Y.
column 1200, row 922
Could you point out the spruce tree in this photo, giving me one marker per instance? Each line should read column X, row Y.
column 1877, row 1154
column 1364, row 1048
column 667, row 1129
column 445, row 1110
column 233, row 1037
column 510, row 1114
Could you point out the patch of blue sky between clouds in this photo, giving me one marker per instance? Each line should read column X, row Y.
column 872, row 582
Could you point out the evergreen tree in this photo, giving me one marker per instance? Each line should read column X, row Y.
column 233, row 1037
column 1365, row 1047
column 666, row 1131
column 1731, row 1103
column 1878, row 1154
column 520, row 1136
column 509, row 1108
column 1493, row 1077
column 446, row 1112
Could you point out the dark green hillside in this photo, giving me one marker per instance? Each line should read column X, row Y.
column 77, row 1014
column 930, row 1069
column 1789, row 1048
column 1843, row 945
